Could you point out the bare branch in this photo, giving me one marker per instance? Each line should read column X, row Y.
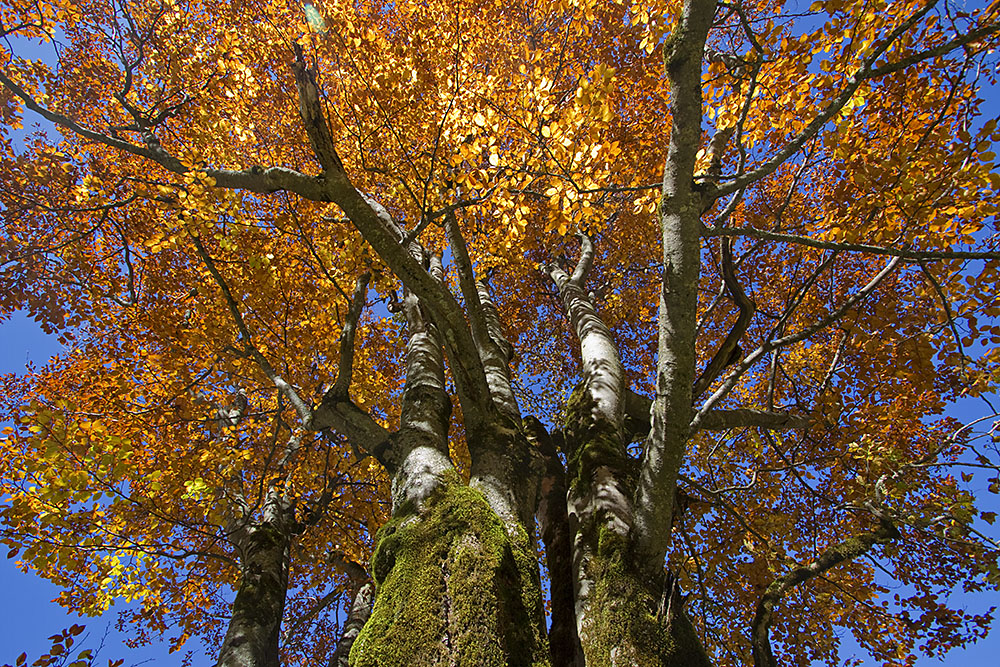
column 866, row 72
column 728, row 353
column 342, row 385
column 493, row 325
column 907, row 254
column 637, row 409
column 773, row 344
column 723, row 420
column 842, row 552
column 947, row 313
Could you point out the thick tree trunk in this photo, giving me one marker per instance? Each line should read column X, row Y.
column 252, row 637
column 454, row 587
column 622, row 615
column 455, row 570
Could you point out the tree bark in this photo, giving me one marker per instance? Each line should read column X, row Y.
column 680, row 225
column 455, row 570
column 361, row 610
column 453, row 588
column 553, row 526
column 252, row 637
column 618, row 596
column 620, row 610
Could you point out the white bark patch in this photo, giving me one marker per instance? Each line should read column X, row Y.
column 419, row 474
column 605, row 497
column 499, row 498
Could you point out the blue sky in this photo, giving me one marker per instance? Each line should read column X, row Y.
column 29, row 617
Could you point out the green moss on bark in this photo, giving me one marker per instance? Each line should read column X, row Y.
column 625, row 630
column 592, row 444
column 621, row 625
column 453, row 588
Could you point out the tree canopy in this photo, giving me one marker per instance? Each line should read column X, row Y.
column 693, row 283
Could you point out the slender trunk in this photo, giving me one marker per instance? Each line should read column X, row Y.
column 361, row 610
column 252, row 637
column 680, row 225
column 553, row 526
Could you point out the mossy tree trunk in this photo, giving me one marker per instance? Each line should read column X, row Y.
column 623, row 615
column 455, row 587
column 455, row 569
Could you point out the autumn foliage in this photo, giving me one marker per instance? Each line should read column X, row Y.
column 191, row 194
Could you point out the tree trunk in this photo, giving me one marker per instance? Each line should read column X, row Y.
column 252, row 637
column 361, row 610
column 456, row 573
column 454, row 587
column 623, row 616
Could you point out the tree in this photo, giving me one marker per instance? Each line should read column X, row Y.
column 376, row 282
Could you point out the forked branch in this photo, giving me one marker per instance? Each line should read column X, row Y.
column 288, row 391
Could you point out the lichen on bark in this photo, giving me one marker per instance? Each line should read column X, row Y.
column 592, row 443
column 453, row 587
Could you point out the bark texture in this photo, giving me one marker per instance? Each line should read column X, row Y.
column 620, row 616
column 361, row 610
column 454, row 588
column 455, row 571
column 553, row 526
column 680, row 225
column 252, row 637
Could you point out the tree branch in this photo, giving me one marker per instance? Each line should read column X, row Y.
column 842, row 552
column 301, row 408
column 637, row 409
column 342, row 385
column 361, row 430
column 790, row 339
column 723, row 420
column 728, row 353
column 865, row 73
column 903, row 253
column 312, row 114
column 603, row 374
column 467, row 281
column 361, row 610
column 586, row 260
